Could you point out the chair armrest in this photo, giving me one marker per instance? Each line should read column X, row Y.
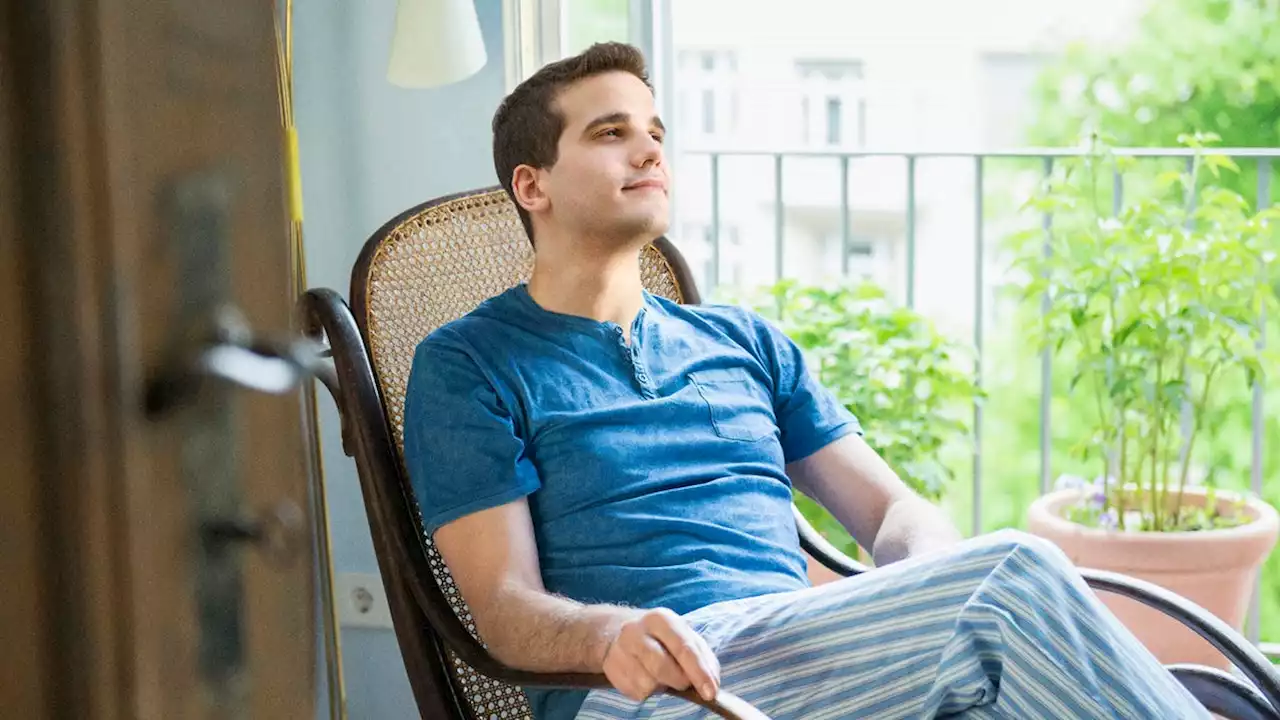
column 1242, row 653
column 326, row 320
column 1224, row 694
column 726, row 704
column 1230, row 643
column 823, row 551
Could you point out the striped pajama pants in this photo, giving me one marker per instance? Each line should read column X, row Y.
column 1001, row 628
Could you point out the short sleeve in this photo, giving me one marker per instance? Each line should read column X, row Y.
column 462, row 451
column 808, row 414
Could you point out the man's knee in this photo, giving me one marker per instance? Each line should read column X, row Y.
column 1024, row 544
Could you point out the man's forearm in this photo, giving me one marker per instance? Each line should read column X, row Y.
column 534, row 630
column 912, row 526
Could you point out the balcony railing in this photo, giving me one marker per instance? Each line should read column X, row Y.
column 1262, row 157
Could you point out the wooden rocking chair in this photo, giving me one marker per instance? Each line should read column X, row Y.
column 434, row 263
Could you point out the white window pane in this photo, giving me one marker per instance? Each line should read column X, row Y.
column 593, row 21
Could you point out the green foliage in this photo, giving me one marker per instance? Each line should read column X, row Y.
column 911, row 387
column 1211, row 64
column 1153, row 307
column 1207, row 64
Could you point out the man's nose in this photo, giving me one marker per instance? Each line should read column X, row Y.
column 649, row 153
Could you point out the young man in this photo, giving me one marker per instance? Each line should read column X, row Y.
column 608, row 476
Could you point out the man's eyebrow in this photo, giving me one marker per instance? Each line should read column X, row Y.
column 608, row 119
column 618, row 117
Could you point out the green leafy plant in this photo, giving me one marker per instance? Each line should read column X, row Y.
column 1207, row 64
column 911, row 387
column 1153, row 307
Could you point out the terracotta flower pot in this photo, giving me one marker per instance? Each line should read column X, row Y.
column 1215, row 568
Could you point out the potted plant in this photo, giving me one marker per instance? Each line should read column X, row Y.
column 1155, row 308
column 910, row 386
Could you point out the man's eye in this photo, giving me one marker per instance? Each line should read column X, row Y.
column 611, row 132
column 658, row 137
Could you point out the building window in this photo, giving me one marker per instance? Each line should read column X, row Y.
column 862, row 259
column 708, row 92
column 805, row 134
column 835, row 120
column 862, row 123
column 833, row 106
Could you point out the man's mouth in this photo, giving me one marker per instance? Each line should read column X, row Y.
column 648, row 184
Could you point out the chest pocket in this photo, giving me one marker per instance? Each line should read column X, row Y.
column 736, row 403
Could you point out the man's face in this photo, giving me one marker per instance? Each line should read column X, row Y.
column 609, row 180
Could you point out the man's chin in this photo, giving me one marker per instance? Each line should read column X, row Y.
column 641, row 229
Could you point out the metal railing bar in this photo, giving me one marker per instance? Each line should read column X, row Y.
column 715, row 222
column 1046, row 357
column 1254, row 621
column 779, row 217
column 978, row 309
column 846, row 232
column 911, row 231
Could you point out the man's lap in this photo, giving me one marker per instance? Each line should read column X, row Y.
column 885, row 627
column 999, row 626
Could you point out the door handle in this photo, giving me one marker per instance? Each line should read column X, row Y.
column 229, row 352
column 276, row 532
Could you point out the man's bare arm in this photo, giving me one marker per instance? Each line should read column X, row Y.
column 493, row 558
column 852, row 481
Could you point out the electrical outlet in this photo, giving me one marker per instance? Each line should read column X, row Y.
column 361, row 601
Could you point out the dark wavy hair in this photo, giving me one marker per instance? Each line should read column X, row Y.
column 527, row 125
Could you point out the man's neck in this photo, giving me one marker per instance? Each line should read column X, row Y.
column 604, row 287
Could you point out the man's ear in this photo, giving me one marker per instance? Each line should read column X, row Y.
column 526, row 186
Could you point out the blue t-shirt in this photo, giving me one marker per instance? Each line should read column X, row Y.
column 654, row 470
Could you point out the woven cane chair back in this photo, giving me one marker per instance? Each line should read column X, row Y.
column 430, row 266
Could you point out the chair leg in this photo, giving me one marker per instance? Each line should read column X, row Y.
column 1224, row 694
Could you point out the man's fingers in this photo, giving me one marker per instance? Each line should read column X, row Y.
column 628, row 675
column 689, row 650
column 639, row 686
column 660, row 664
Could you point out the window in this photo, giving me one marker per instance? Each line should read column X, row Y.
column 835, row 120
column 804, row 120
column 707, row 80
column 538, row 32
column 863, row 263
column 595, row 21
column 862, row 122
column 833, row 105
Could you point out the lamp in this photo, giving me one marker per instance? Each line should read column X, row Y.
column 436, row 42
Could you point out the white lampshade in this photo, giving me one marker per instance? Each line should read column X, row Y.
column 436, row 42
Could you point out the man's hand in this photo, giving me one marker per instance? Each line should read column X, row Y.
column 657, row 648
column 493, row 557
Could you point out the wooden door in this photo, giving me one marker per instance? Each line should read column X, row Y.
column 154, row 522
